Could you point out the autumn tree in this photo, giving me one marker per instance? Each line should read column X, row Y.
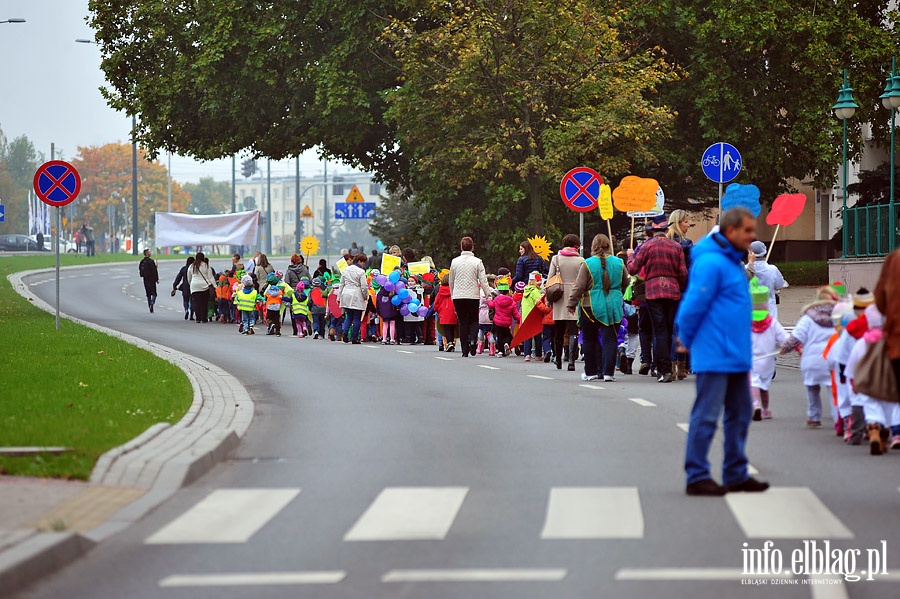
column 106, row 181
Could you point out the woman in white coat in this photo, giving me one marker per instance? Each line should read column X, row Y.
column 201, row 279
column 353, row 294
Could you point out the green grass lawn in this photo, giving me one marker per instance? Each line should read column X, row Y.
column 74, row 387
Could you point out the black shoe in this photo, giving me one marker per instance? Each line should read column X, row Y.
column 644, row 369
column 547, row 358
column 757, row 414
column 356, row 342
column 751, row 485
column 571, row 367
column 185, row 316
column 151, row 308
column 706, row 487
column 665, row 378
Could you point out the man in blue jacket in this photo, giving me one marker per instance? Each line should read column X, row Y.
column 714, row 321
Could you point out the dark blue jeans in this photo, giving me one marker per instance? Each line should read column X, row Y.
column 662, row 314
column 351, row 320
column 716, row 391
column 599, row 357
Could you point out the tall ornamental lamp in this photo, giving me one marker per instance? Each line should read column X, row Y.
column 845, row 109
column 891, row 99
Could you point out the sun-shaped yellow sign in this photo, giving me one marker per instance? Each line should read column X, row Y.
column 541, row 246
column 309, row 245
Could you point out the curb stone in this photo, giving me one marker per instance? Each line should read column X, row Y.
column 162, row 459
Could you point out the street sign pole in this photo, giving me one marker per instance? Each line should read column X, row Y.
column 56, row 240
column 581, row 231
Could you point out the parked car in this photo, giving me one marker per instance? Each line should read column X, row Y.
column 65, row 247
column 18, row 243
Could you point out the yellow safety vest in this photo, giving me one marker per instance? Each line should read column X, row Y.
column 298, row 307
column 245, row 300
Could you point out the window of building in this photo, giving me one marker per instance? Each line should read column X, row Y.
column 337, row 189
column 289, row 216
column 374, row 189
column 274, row 217
column 275, row 194
column 289, row 192
column 253, row 193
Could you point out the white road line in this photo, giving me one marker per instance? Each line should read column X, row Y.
column 642, row 402
column 403, row 351
column 594, row 513
column 675, row 574
column 409, row 513
column 477, row 575
column 537, row 376
column 824, row 590
column 488, row 367
column 751, row 469
column 442, row 358
column 253, row 579
column 225, row 516
column 597, row 387
column 785, row 513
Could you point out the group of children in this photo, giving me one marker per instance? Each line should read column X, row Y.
column 832, row 335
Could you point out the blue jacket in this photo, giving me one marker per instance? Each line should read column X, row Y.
column 714, row 316
column 525, row 266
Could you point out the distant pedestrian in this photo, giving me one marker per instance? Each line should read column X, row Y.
column 467, row 278
column 183, row 284
column 40, row 240
column 714, row 323
column 149, row 272
column 566, row 264
column 201, row 280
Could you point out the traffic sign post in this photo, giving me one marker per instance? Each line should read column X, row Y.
column 580, row 191
column 57, row 183
column 721, row 163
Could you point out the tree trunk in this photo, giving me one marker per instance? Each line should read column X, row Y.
column 537, row 212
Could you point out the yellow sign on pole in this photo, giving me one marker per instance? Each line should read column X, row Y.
column 354, row 195
column 307, row 212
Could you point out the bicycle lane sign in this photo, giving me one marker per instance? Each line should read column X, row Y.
column 721, row 162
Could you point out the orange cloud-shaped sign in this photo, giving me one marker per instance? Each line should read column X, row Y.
column 635, row 194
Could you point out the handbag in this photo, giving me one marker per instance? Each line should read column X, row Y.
column 554, row 289
column 874, row 374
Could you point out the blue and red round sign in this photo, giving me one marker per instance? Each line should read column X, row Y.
column 57, row 183
column 580, row 189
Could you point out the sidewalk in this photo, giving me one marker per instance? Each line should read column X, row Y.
column 45, row 523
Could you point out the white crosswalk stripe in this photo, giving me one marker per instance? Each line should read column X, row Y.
column 225, row 516
column 409, row 513
column 593, row 513
column 785, row 513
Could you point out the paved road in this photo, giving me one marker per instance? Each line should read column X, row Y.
column 374, row 471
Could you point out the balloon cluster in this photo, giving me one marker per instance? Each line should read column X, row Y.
column 400, row 295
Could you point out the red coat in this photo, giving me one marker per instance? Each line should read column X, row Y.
column 546, row 310
column 443, row 306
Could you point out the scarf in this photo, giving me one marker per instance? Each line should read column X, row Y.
column 762, row 326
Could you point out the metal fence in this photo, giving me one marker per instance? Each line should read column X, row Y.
column 868, row 231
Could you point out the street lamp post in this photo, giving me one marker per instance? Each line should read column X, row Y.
column 845, row 109
column 13, row 20
column 891, row 99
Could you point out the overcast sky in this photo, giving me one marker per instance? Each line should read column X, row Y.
column 51, row 90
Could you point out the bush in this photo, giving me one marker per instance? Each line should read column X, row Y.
column 805, row 274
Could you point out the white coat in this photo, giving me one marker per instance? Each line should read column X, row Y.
column 765, row 343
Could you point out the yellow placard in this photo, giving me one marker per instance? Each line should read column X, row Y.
column 354, row 195
column 388, row 263
column 341, row 264
column 635, row 194
column 418, row 268
column 309, row 245
column 606, row 205
column 307, row 212
column 540, row 245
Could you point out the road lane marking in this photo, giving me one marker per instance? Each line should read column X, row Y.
column 225, row 516
column 593, row 513
column 442, row 358
column 642, row 402
column 537, row 376
column 785, row 513
column 403, row 351
column 253, row 579
column 597, row 387
column 488, row 367
column 477, row 575
column 683, row 426
column 675, row 574
column 409, row 513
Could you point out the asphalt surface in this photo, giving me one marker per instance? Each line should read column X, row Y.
column 383, row 471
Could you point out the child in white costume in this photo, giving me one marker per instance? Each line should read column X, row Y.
column 836, row 355
column 813, row 331
column 882, row 417
column 768, row 336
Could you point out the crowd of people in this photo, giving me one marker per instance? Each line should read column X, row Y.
column 610, row 310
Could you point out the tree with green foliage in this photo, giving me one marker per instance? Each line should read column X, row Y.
column 208, row 196
column 19, row 160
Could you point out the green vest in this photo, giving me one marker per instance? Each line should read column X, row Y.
column 606, row 307
column 298, row 307
column 245, row 300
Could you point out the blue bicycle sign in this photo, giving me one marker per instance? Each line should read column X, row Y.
column 721, row 162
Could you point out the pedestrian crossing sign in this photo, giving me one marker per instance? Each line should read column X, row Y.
column 307, row 212
column 354, row 195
